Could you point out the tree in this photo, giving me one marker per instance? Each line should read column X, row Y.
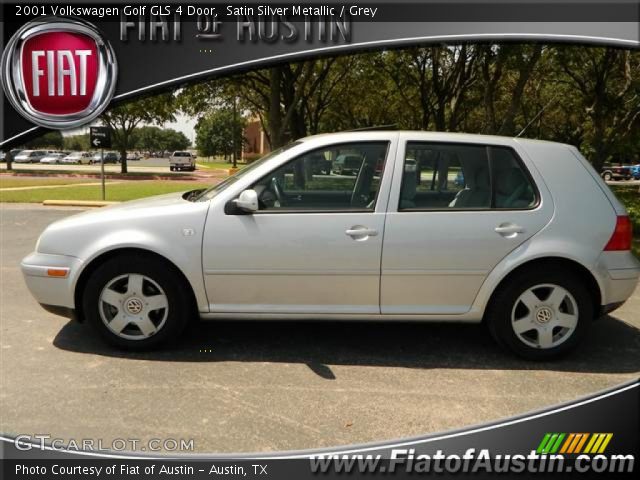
column 48, row 140
column 77, row 142
column 608, row 80
column 123, row 120
column 171, row 140
column 216, row 131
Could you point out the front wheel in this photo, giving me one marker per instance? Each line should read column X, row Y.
column 540, row 315
column 136, row 303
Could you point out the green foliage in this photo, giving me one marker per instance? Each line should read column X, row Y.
column 582, row 95
column 124, row 119
column 158, row 139
column 630, row 197
column 77, row 142
column 48, row 140
column 215, row 133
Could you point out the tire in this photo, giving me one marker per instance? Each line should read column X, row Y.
column 546, row 339
column 607, row 176
column 113, row 294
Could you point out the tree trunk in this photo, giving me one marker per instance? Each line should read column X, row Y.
column 275, row 115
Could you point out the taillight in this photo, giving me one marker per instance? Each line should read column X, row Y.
column 621, row 238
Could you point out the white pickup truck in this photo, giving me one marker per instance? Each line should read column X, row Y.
column 182, row 160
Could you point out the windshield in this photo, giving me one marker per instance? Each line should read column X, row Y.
column 212, row 191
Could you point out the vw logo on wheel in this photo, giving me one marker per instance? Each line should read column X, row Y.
column 544, row 315
column 59, row 73
column 134, row 306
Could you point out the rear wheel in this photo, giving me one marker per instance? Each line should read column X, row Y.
column 136, row 302
column 607, row 176
column 540, row 315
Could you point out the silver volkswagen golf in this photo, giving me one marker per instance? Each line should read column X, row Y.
column 520, row 234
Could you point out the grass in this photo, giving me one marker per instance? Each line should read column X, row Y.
column 129, row 190
column 630, row 197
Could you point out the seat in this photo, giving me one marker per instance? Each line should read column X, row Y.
column 409, row 187
column 477, row 194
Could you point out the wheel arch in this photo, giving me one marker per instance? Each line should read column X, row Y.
column 547, row 262
column 108, row 255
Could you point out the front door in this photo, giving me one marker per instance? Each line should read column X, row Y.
column 315, row 244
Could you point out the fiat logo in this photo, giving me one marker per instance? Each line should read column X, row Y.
column 59, row 73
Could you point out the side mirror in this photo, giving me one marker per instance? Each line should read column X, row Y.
column 247, row 201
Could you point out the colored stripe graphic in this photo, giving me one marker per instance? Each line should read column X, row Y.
column 573, row 443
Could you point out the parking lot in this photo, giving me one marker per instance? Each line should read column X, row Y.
column 266, row 386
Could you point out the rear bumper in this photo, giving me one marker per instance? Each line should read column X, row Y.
column 53, row 291
column 619, row 274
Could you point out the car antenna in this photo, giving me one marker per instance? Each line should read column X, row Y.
column 537, row 116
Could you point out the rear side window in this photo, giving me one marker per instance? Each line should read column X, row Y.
column 441, row 176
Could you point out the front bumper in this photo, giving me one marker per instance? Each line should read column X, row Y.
column 42, row 274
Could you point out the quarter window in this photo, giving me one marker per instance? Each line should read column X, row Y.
column 338, row 177
column 440, row 176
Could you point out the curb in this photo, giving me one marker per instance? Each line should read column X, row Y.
column 78, row 203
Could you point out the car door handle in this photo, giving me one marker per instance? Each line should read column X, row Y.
column 361, row 232
column 509, row 229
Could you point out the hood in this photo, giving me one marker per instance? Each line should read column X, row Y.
column 146, row 216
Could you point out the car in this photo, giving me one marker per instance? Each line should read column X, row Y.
column 534, row 245
column 53, row 158
column 77, row 158
column 109, row 157
column 348, row 164
column 133, row 156
column 635, row 172
column 30, row 156
column 182, row 160
column 615, row 172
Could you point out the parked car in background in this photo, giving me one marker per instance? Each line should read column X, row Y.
column 109, row 157
column 182, row 160
column 512, row 248
column 30, row 156
column 635, row 172
column 77, row 158
column 615, row 172
column 53, row 158
column 133, row 156
column 348, row 164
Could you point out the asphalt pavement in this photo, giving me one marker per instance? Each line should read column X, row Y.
column 267, row 386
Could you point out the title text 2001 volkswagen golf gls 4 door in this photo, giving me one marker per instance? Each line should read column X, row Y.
column 521, row 234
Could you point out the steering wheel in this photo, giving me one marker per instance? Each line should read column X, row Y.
column 275, row 188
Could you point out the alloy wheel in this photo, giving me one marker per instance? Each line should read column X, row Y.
column 133, row 306
column 544, row 316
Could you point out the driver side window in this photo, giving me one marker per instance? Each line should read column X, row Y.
column 344, row 177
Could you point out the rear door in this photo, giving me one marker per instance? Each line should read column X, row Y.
column 455, row 211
